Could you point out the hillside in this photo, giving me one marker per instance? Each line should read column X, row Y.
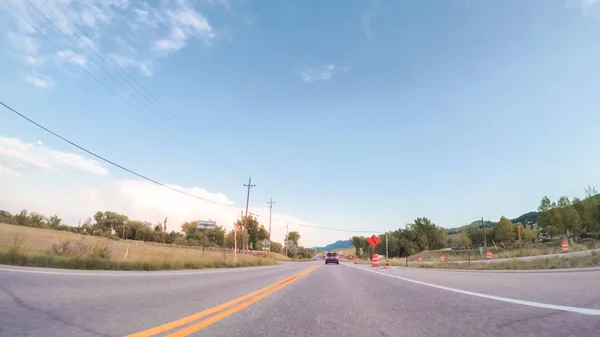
column 340, row 244
column 529, row 217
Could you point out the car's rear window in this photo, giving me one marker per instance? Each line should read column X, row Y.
column 331, row 254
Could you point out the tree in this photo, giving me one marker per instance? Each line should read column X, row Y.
column 571, row 222
column 505, row 231
column 54, row 222
column 294, row 236
column 276, row 247
column 591, row 213
column 22, row 218
column 357, row 242
column 464, row 240
column 217, row 235
column 544, row 213
column 475, row 234
column 528, row 234
column 428, row 236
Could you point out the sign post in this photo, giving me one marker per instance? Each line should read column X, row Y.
column 373, row 241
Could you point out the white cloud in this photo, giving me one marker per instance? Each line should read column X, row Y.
column 40, row 81
column 72, row 57
column 185, row 24
column 366, row 18
column 590, row 8
column 38, row 156
column 150, row 31
column 366, row 24
column 35, row 60
column 82, row 194
column 8, row 172
column 317, row 74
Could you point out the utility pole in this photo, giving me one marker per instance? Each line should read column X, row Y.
column 286, row 239
column 234, row 244
column 519, row 231
column 270, row 202
column 124, row 224
column 241, row 231
column 484, row 237
column 246, row 216
column 387, row 258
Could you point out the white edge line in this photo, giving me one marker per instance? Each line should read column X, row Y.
column 138, row 273
column 584, row 311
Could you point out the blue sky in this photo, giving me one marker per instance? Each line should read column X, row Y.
column 359, row 115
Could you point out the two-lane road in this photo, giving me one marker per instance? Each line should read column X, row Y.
column 298, row 299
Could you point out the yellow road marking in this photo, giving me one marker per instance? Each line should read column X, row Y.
column 188, row 319
column 213, row 319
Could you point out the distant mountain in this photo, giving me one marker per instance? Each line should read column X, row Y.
column 340, row 244
column 529, row 218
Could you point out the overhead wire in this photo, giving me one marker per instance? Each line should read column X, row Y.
column 156, row 182
column 156, row 111
column 143, row 91
column 125, row 102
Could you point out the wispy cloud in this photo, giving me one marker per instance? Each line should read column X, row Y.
column 40, row 81
column 590, row 8
column 38, row 156
column 135, row 34
column 317, row 74
column 366, row 24
column 367, row 18
column 185, row 24
column 71, row 56
column 89, row 187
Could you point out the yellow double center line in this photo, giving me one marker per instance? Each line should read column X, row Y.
column 222, row 311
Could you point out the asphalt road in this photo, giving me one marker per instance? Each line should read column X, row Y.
column 315, row 300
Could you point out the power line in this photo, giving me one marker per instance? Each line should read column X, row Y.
column 72, row 57
column 83, row 68
column 145, row 93
column 249, row 185
column 109, row 161
column 162, row 184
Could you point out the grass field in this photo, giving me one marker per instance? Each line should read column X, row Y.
column 50, row 248
column 537, row 249
column 592, row 260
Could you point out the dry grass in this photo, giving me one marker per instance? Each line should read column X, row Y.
column 538, row 249
column 592, row 260
column 44, row 247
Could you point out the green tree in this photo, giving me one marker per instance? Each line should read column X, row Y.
column 571, row 222
column 475, row 234
column 22, row 218
column 54, row 222
column 544, row 220
column 428, row 236
column 294, row 236
column 591, row 213
column 276, row 247
column 357, row 242
column 464, row 240
column 505, row 231
column 528, row 234
column 37, row 220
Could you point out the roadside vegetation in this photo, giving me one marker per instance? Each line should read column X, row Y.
column 592, row 260
column 38, row 247
column 576, row 221
column 113, row 241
